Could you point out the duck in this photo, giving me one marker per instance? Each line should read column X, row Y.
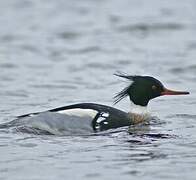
column 98, row 117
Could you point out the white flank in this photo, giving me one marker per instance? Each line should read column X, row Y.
column 80, row 112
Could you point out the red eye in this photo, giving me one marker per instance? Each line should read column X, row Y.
column 154, row 87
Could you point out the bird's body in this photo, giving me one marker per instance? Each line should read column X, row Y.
column 96, row 117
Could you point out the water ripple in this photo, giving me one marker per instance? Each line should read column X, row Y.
column 184, row 116
column 153, row 27
column 183, row 69
column 69, row 35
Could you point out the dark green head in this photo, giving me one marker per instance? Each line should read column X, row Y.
column 143, row 89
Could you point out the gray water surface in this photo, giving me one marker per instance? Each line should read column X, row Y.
column 55, row 53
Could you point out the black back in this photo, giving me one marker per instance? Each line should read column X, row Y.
column 116, row 118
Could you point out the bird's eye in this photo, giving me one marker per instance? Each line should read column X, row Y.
column 154, row 87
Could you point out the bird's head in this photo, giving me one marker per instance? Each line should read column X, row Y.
column 144, row 88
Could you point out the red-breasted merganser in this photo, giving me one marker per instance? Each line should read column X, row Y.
column 99, row 117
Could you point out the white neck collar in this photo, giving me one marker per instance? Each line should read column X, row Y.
column 137, row 109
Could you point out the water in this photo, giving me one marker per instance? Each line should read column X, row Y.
column 55, row 53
